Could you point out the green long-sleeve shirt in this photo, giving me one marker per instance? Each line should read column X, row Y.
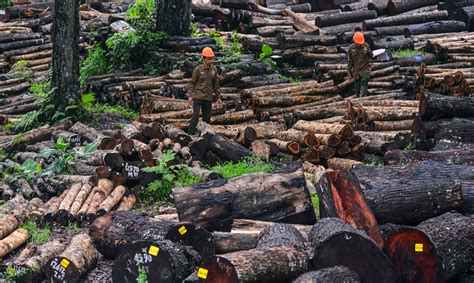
column 204, row 83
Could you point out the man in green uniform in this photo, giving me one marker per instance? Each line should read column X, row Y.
column 359, row 55
column 204, row 84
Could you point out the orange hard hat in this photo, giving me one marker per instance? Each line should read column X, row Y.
column 207, row 52
column 358, row 37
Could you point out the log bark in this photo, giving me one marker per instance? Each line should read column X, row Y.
column 331, row 274
column 164, row 261
column 13, row 241
column 337, row 243
column 280, row 235
column 291, row 147
column 113, row 231
column 450, row 234
column 344, row 18
column 52, row 211
column 344, row 164
column 177, row 135
column 88, row 133
column 227, row 149
column 405, row 19
column 406, row 157
column 233, row 242
column 435, row 27
column 74, row 261
column 234, row 204
column 65, row 65
column 112, row 200
column 67, row 201
column 44, row 253
column 413, row 189
column 391, row 125
column 433, row 107
column 204, row 174
column 127, row 203
column 340, row 196
column 169, row 12
column 399, row 6
column 345, row 131
column 412, row 253
column 281, row 264
column 79, row 201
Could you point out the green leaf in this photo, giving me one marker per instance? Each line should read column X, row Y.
column 46, row 153
column 91, row 147
column 267, row 50
column 87, row 100
column 61, row 145
column 59, row 166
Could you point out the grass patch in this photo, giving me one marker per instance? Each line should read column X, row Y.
column 373, row 160
column 401, row 53
column 315, row 201
column 39, row 236
column 117, row 109
column 251, row 165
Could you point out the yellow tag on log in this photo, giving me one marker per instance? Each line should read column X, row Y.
column 64, row 263
column 153, row 250
column 182, row 230
column 419, row 248
column 202, row 273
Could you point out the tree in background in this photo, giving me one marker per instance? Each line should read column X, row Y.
column 174, row 17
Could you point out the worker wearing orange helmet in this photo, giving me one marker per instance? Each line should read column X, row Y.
column 204, row 85
column 359, row 55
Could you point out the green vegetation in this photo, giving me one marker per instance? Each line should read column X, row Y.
column 373, row 160
column 95, row 64
column 39, row 236
column 117, row 109
column 63, row 159
column 315, row 201
column 410, row 146
column 251, row 165
column 169, row 177
column 142, row 274
column 21, row 70
column 400, row 53
column 74, row 228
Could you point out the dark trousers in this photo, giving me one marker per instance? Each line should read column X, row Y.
column 198, row 105
column 361, row 85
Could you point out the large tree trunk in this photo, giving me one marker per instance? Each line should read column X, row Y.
column 113, row 231
column 451, row 234
column 412, row 254
column 340, row 196
column 281, row 264
column 174, row 17
column 410, row 194
column 337, row 243
column 405, row 19
column 163, row 261
column 65, row 66
column 215, row 204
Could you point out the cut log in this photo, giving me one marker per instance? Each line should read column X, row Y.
column 340, row 196
column 395, row 7
column 451, row 233
column 413, row 188
column 74, row 261
column 67, row 201
column 433, row 107
column 345, row 131
column 110, row 158
column 337, row 243
column 52, row 211
column 412, row 253
column 282, row 264
column 113, row 231
column 88, row 133
column 435, row 27
column 256, row 227
column 177, row 135
column 164, row 261
column 331, row 274
column 344, row 18
column 229, row 199
column 405, row 19
column 227, row 149
column 204, row 174
column 287, row 147
column 344, row 164
column 280, row 235
column 79, row 200
column 112, row 200
column 233, row 242
column 391, row 125
column 127, row 203
column 405, row 157
column 13, row 241
column 44, row 253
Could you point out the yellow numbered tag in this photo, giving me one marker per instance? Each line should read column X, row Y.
column 64, row 263
column 419, row 248
column 182, row 230
column 153, row 250
column 202, row 273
